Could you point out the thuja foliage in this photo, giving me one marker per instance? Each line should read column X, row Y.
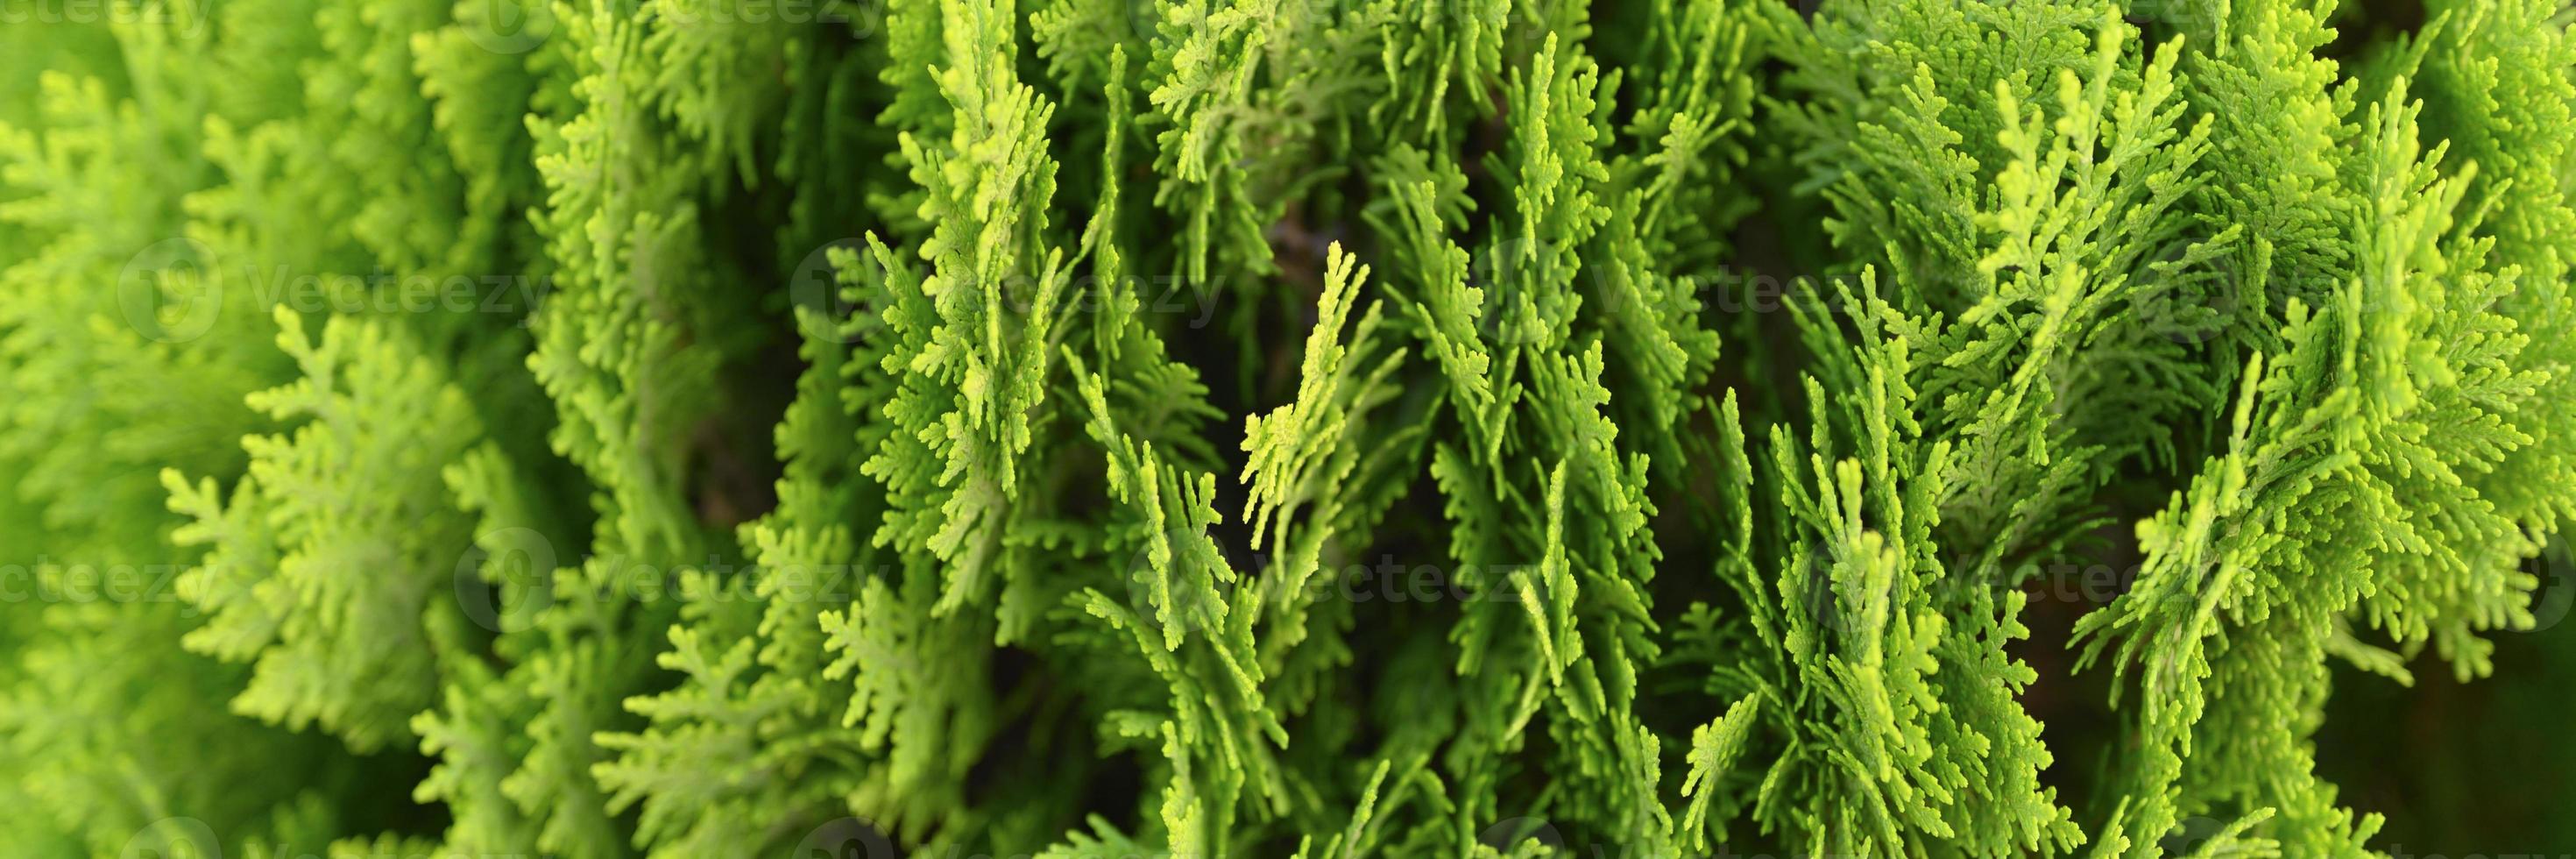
column 701, row 428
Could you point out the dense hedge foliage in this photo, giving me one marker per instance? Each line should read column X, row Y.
column 708, row 428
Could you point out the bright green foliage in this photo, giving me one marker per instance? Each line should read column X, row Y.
column 324, row 567
column 1329, row 428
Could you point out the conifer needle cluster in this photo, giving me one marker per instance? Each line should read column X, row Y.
column 1328, row 428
